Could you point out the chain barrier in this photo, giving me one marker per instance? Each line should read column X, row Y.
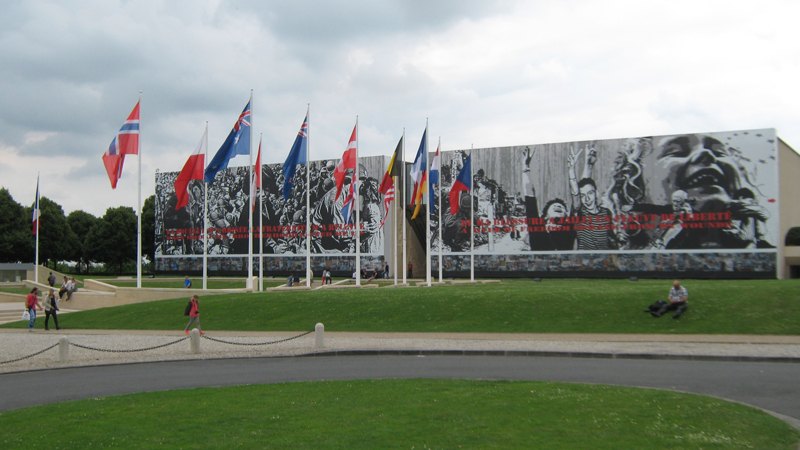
column 155, row 347
column 129, row 351
column 29, row 356
column 257, row 343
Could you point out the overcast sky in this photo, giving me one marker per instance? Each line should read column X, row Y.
column 488, row 73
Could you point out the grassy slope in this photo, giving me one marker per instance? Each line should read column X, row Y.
column 371, row 414
column 519, row 306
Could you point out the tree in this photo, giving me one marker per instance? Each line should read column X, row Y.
column 793, row 236
column 81, row 223
column 57, row 241
column 149, row 228
column 16, row 231
column 113, row 239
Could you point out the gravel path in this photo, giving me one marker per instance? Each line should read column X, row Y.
column 20, row 343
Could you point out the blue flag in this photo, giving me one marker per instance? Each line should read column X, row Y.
column 237, row 143
column 297, row 155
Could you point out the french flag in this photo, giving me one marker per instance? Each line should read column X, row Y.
column 462, row 183
column 192, row 170
column 36, row 211
column 433, row 177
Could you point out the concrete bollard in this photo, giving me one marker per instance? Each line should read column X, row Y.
column 194, row 339
column 63, row 349
column 319, row 336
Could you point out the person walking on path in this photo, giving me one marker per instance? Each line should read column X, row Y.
column 51, row 309
column 31, row 302
column 51, row 280
column 194, row 315
column 678, row 299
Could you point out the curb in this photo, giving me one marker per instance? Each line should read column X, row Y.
column 548, row 354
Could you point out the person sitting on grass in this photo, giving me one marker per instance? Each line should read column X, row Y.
column 678, row 299
column 290, row 280
column 187, row 283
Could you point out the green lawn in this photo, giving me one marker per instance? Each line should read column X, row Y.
column 401, row 414
column 515, row 306
column 16, row 290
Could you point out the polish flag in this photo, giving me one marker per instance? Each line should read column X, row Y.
column 255, row 183
column 192, row 170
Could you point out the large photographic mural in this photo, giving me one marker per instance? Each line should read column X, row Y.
column 703, row 205
column 179, row 233
column 696, row 203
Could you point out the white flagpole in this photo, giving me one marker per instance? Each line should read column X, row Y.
column 205, row 216
column 36, row 206
column 394, row 220
column 139, row 213
column 357, row 206
column 439, row 186
column 471, row 217
column 260, row 193
column 403, row 208
column 308, row 196
column 249, row 281
column 428, row 216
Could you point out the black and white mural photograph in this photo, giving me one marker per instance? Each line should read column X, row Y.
column 179, row 232
column 658, row 195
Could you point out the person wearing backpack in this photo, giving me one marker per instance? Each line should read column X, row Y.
column 193, row 313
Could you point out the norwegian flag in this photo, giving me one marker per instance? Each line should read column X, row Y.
column 126, row 142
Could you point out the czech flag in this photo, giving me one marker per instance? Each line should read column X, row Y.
column 462, row 183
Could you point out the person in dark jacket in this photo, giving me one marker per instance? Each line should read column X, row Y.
column 51, row 309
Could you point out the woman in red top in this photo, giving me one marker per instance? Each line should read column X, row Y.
column 31, row 301
column 194, row 315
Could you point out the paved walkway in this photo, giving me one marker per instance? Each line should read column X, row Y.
column 112, row 346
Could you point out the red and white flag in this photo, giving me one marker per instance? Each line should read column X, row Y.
column 255, row 183
column 348, row 161
column 192, row 170
column 36, row 211
column 126, row 142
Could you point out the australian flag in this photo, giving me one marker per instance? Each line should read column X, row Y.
column 237, row 143
column 297, row 155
